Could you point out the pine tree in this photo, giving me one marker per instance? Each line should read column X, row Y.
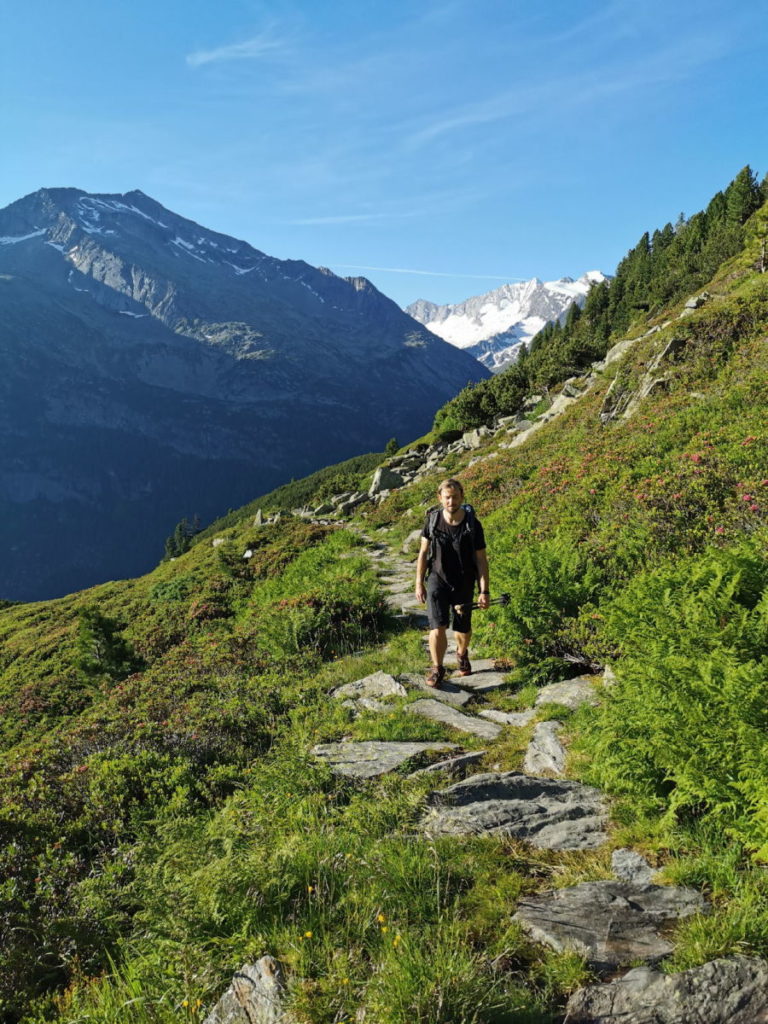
column 743, row 196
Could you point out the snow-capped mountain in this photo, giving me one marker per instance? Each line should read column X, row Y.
column 152, row 369
column 493, row 326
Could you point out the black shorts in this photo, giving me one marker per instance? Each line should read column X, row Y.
column 442, row 601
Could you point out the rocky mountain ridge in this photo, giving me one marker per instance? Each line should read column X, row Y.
column 154, row 369
column 492, row 327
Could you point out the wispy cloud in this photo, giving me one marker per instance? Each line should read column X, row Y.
column 427, row 273
column 251, row 49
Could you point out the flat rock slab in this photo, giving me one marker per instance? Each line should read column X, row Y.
column 254, row 997
column 725, row 991
column 545, row 752
column 610, row 923
column 377, row 685
column 551, row 814
column 437, row 711
column 571, row 694
column 447, row 692
column 478, row 664
column 480, row 681
column 515, row 718
column 453, row 765
column 369, row 758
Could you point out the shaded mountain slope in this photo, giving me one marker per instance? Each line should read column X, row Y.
column 152, row 369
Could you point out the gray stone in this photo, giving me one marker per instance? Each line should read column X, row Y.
column 447, row 692
column 385, row 479
column 258, row 519
column 480, row 680
column 437, row 711
column 369, row 758
column 379, row 684
column 217, row 542
column 545, row 751
column 570, row 694
column 254, row 997
column 630, row 866
column 725, row 991
column 514, row 718
column 551, row 814
column 609, row 923
column 474, row 438
column 453, row 765
column 696, row 301
column 324, row 510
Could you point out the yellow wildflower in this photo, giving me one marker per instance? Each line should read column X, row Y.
column 384, row 928
column 185, row 1002
column 310, row 888
column 381, row 918
column 307, row 935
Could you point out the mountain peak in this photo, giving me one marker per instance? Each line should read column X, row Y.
column 494, row 325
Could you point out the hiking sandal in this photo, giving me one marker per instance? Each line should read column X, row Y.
column 435, row 676
column 463, row 664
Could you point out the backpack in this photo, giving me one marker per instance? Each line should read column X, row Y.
column 433, row 517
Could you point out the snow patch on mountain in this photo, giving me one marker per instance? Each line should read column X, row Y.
column 492, row 327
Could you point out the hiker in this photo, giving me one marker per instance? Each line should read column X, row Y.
column 453, row 550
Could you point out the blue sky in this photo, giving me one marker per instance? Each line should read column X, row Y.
column 438, row 148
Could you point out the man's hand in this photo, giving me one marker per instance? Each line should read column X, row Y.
column 421, row 593
column 483, row 600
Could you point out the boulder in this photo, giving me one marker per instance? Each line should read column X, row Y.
column 258, row 519
column 697, row 301
column 545, row 751
column 570, row 694
column 474, row 438
column 385, row 479
column 551, row 814
column 630, row 866
column 609, row 923
column 370, row 758
column 379, row 684
column 438, row 711
column 254, row 997
column 217, row 542
column 731, row 990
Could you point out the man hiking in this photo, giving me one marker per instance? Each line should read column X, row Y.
column 453, row 550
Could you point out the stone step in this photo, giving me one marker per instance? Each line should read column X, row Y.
column 552, row 814
column 609, row 923
column 437, row 711
column 369, row 758
column 571, row 693
column 448, row 692
column 545, row 751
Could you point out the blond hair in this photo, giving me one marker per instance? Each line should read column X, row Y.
column 450, row 484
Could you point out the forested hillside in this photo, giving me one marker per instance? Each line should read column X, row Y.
column 164, row 820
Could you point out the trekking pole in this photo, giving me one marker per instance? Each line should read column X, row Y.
column 502, row 599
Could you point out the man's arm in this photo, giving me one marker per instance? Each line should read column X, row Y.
column 483, row 578
column 421, row 571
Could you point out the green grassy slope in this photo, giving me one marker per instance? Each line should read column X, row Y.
column 160, row 828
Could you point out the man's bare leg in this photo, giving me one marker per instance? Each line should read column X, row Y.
column 462, row 642
column 438, row 644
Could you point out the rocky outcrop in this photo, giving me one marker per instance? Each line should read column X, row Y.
column 254, row 997
column 437, row 711
column 609, row 923
column 571, row 693
column 548, row 813
column 545, row 752
column 725, row 991
column 367, row 759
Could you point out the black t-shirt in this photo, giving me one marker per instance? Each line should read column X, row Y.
column 455, row 550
